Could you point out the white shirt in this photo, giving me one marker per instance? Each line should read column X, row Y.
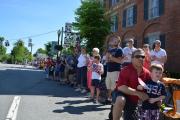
column 96, row 75
column 104, row 60
column 127, row 52
column 159, row 54
column 82, row 60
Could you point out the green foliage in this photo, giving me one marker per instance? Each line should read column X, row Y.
column 67, row 51
column 41, row 50
column 20, row 53
column 92, row 24
column 48, row 48
column 2, row 50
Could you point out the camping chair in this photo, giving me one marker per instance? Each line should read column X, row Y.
column 173, row 113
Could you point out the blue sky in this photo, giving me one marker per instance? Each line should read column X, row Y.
column 21, row 18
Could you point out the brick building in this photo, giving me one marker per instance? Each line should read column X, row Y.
column 146, row 21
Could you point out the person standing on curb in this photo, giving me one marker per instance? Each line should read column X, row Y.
column 114, row 58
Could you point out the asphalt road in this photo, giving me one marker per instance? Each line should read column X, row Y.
column 43, row 99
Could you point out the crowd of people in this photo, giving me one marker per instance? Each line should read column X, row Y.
column 131, row 76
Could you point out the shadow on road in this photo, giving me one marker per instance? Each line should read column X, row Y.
column 70, row 102
column 80, row 109
column 31, row 82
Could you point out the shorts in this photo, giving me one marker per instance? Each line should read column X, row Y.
column 96, row 83
column 149, row 114
column 111, row 79
column 130, row 110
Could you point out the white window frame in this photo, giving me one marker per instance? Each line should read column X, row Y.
column 129, row 16
column 153, row 10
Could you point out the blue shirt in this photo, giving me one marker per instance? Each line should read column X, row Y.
column 113, row 66
column 156, row 89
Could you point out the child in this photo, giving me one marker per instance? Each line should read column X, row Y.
column 156, row 92
column 97, row 71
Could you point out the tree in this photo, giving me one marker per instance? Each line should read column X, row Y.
column 2, row 50
column 92, row 23
column 48, row 47
column 42, row 51
column 20, row 53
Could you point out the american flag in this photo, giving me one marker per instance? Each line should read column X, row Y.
column 95, row 68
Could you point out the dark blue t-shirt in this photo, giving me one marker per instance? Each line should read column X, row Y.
column 113, row 66
column 156, row 89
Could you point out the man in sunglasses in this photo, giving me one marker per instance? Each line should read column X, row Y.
column 126, row 96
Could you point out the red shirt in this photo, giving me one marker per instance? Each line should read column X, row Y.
column 129, row 77
column 147, row 61
column 48, row 63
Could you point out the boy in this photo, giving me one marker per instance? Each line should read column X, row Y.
column 97, row 71
column 156, row 92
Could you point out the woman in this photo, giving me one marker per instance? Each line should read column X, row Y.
column 82, row 71
column 95, row 52
column 147, row 60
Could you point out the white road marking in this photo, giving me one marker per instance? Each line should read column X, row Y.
column 12, row 114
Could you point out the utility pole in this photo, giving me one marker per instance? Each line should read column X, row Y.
column 59, row 33
column 61, row 40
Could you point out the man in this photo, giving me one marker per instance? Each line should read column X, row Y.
column 114, row 58
column 127, row 51
column 126, row 94
column 158, row 55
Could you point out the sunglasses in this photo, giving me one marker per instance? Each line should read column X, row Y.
column 139, row 56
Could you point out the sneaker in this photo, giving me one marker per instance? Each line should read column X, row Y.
column 83, row 91
column 78, row 89
column 97, row 102
column 91, row 99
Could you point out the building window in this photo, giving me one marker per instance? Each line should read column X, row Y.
column 153, row 8
column 113, row 2
column 114, row 23
column 101, row 2
column 129, row 16
column 151, row 38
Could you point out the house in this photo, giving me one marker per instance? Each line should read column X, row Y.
column 146, row 21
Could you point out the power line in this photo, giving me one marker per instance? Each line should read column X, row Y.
column 36, row 35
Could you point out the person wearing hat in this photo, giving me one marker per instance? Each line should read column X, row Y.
column 158, row 55
column 127, row 51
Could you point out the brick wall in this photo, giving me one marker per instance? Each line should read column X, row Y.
column 168, row 24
